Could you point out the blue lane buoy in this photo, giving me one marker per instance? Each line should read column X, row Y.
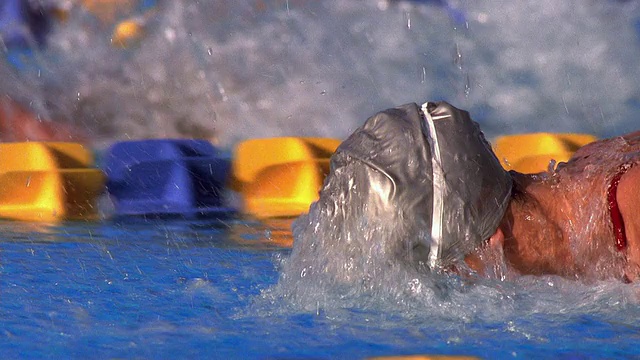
column 23, row 24
column 167, row 177
column 13, row 29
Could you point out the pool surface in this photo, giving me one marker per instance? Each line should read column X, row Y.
column 170, row 289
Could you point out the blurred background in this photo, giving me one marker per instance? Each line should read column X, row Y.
column 229, row 70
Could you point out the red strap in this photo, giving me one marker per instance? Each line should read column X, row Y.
column 614, row 210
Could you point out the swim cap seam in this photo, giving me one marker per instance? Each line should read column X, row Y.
column 438, row 185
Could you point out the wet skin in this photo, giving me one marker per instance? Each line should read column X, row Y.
column 560, row 222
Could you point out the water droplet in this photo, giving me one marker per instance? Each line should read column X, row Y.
column 170, row 34
column 210, row 51
column 467, row 86
column 323, row 92
column 457, row 57
column 415, row 286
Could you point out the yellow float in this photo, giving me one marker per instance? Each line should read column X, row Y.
column 533, row 153
column 127, row 33
column 281, row 177
column 128, row 18
column 48, row 181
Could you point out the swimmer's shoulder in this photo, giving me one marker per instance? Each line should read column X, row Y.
column 633, row 138
column 624, row 148
column 600, row 160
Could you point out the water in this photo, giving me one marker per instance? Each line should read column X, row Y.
column 87, row 290
column 174, row 290
column 237, row 69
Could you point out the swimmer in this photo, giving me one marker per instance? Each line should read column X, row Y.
column 426, row 178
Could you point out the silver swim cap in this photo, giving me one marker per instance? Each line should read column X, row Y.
column 440, row 171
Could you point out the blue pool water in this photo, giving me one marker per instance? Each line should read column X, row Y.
column 169, row 289
column 242, row 69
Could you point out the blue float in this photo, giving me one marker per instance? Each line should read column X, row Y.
column 23, row 24
column 13, row 24
column 167, row 177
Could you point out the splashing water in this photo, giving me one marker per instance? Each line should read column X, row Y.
column 234, row 70
column 349, row 257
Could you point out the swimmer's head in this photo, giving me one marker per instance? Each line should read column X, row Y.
column 440, row 171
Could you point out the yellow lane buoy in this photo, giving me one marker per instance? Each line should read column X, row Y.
column 127, row 32
column 281, row 177
column 47, row 181
column 533, row 152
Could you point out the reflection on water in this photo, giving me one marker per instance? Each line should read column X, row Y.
column 235, row 232
column 267, row 233
column 27, row 231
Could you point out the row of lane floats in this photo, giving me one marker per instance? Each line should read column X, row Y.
column 188, row 178
column 185, row 178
